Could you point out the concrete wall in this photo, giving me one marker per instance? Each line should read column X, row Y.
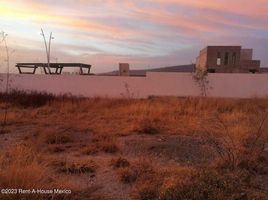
column 246, row 54
column 250, row 65
column 155, row 83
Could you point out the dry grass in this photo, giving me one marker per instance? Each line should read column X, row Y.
column 137, row 171
column 75, row 166
column 25, row 100
column 57, row 138
column 201, row 185
column 76, row 137
column 21, row 167
column 120, row 163
column 163, row 115
column 102, row 143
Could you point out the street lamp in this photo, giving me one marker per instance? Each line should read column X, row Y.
column 47, row 48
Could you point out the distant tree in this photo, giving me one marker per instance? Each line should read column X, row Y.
column 201, row 78
column 3, row 39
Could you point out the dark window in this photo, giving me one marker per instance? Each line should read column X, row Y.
column 234, row 58
column 226, row 58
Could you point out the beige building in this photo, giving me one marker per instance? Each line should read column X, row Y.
column 227, row 59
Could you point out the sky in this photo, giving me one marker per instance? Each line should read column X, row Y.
column 143, row 33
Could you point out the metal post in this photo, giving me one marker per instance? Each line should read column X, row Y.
column 47, row 48
column 49, row 44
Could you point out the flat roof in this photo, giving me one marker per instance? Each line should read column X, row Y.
column 56, row 64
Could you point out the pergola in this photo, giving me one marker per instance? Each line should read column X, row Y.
column 55, row 68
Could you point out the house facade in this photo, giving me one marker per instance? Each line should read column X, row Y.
column 227, row 59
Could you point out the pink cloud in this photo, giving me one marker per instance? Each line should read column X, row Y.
column 138, row 29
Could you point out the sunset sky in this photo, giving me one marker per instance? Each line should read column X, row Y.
column 144, row 33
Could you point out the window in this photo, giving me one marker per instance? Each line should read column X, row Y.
column 226, row 58
column 234, row 58
column 219, row 59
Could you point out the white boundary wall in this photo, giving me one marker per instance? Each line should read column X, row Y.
column 154, row 84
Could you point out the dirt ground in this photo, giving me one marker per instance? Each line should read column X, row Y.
column 110, row 149
column 163, row 151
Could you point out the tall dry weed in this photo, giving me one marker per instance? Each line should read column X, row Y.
column 21, row 167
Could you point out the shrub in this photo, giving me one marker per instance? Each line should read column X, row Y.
column 56, row 149
column 128, row 175
column 21, row 168
column 91, row 149
column 57, row 138
column 147, row 190
column 237, row 145
column 75, row 167
column 149, row 127
column 105, row 144
column 109, row 147
column 120, row 163
column 26, row 99
column 207, row 184
column 140, row 170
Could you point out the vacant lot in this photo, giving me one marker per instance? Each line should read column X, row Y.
column 157, row 148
